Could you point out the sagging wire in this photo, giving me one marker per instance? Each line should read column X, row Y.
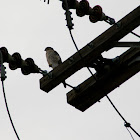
column 68, row 18
column 3, row 77
column 130, row 133
column 7, row 108
column 75, row 43
column 126, row 123
column 79, row 52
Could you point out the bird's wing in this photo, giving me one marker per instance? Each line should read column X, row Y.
column 58, row 57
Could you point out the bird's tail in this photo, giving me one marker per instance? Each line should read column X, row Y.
column 64, row 83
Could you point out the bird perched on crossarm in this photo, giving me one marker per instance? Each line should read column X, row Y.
column 53, row 59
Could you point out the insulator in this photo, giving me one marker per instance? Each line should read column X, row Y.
column 16, row 62
column 30, row 62
column 25, row 69
column 3, row 72
column 83, row 8
column 4, row 52
column 72, row 4
column 33, row 67
column 97, row 14
column 18, row 58
column 30, row 67
column 69, row 20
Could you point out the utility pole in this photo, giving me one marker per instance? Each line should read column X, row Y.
column 92, row 90
column 90, row 53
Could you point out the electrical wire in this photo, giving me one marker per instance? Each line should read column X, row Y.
column 79, row 52
column 9, row 111
column 116, row 109
column 130, row 133
column 126, row 123
column 75, row 43
column 106, row 95
column 135, row 34
column 130, row 32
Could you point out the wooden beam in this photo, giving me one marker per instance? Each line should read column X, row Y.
column 91, row 51
column 92, row 90
column 127, row 44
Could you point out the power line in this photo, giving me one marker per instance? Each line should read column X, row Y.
column 75, row 43
column 130, row 133
column 79, row 52
column 135, row 34
column 126, row 123
column 116, row 109
column 3, row 77
column 9, row 111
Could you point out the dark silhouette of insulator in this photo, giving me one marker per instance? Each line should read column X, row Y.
column 15, row 62
column 2, row 68
column 72, row 4
column 8, row 58
column 69, row 20
column 83, row 8
column 17, row 58
column 5, row 54
column 29, row 67
column 97, row 14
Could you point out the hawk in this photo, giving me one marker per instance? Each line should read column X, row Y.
column 53, row 59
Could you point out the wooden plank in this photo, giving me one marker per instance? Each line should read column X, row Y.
column 92, row 90
column 91, row 51
column 127, row 44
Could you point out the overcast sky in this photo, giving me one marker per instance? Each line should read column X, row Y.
column 27, row 27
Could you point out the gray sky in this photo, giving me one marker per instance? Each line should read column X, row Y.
column 27, row 27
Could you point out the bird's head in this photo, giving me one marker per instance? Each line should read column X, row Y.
column 48, row 48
